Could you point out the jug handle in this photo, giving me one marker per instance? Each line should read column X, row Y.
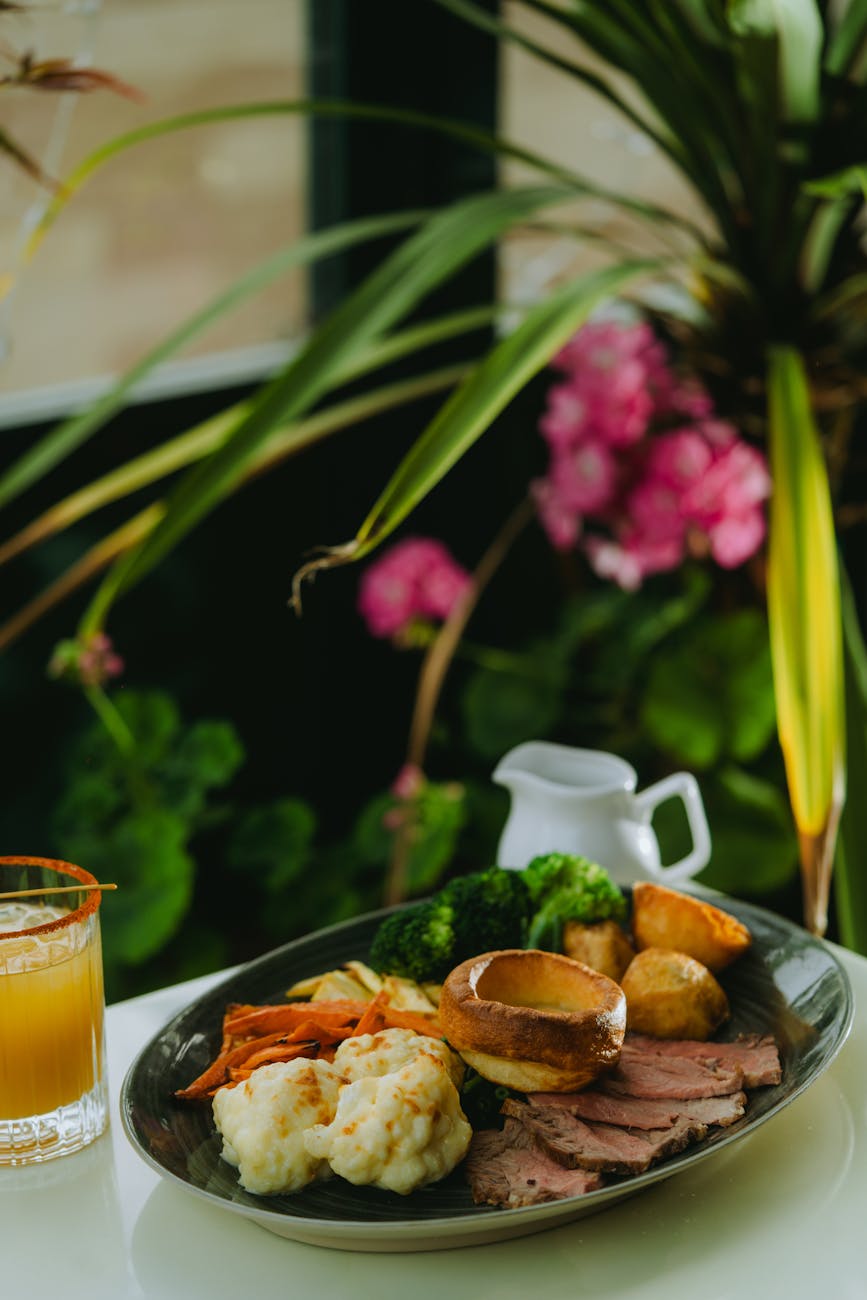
column 684, row 786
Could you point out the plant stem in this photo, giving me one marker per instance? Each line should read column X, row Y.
column 434, row 670
column 111, row 719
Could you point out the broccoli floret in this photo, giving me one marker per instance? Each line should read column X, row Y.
column 416, row 942
column 472, row 914
column 563, row 888
column 491, row 910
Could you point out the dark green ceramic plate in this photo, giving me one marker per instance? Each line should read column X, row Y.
column 789, row 985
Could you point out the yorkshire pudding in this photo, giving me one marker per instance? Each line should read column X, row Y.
column 534, row 1021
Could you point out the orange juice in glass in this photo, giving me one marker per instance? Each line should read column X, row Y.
column 53, row 1097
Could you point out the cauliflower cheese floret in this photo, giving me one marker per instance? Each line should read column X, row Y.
column 372, row 1055
column 399, row 1131
column 263, row 1121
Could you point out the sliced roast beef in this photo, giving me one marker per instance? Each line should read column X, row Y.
column 574, row 1143
column 508, row 1169
column 644, row 1112
column 756, row 1055
column 641, row 1074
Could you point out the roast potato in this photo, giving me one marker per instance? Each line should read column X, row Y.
column 602, row 946
column 663, row 918
column 671, row 995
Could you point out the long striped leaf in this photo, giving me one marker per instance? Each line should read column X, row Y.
column 282, row 444
column 63, row 440
column 474, row 406
column 467, row 133
column 179, row 452
column 486, row 21
column 443, row 244
column 655, row 45
column 805, row 625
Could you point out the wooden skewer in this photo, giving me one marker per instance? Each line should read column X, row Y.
column 52, row 889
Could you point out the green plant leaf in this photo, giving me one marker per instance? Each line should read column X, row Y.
column 443, row 244
column 486, row 392
column 465, row 132
column 207, row 756
column 847, row 41
column 433, row 820
column 795, row 27
column 274, row 844
column 804, row 601
column 482, row 18
column 711, row 695
column 850, row 866
column 841, row 184
column 502, row 709
column 820, row 241
column 656, row 50
column 145, row 853
column 643, row 621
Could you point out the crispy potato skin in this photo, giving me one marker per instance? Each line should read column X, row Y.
column 671, row 995
column 602, row 946
column 663, row 918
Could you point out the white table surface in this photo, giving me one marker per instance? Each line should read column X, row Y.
column 781, row 1214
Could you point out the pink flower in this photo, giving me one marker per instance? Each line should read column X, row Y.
column 91, row 661
column 736, row 537
column 654, row 493
column 560, row 521
column 609, row 392
column 654, row 511
column 408, row 782
column 563, row 423
column 611, row 560
column 629, row 561
column 584, row 479
column 678, row 457
column 417, row 578
column 603, row 346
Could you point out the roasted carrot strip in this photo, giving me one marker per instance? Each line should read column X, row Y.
column 256, row 1035
column 370, row 1020
column 422, row 1024
column 384, row 1018
column 218, row 1071
column 324, row 1033
column 280, row 1052
column 262, row 1020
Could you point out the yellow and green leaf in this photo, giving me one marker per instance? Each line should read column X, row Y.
column 805, row 625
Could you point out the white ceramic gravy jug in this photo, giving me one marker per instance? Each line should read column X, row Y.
column 584, row 801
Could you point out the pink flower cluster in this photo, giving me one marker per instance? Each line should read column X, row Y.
column 418, row 579
column 641, row 473
column 91, row 661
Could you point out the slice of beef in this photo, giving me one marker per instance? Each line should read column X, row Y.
column 574, row 1143
column 508, row 1169
column 644, row 1112
column 757, row 1055
column 641, row 1074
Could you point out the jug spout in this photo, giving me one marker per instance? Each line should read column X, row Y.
column 562, row 772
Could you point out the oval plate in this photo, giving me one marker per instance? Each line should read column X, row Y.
column 789, row 985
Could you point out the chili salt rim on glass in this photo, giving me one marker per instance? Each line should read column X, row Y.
column 85, row 909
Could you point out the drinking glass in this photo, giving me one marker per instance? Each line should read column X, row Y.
column 53, row 1095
